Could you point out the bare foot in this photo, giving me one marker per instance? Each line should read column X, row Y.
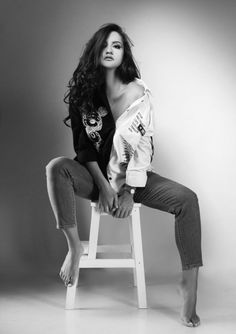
column 70, row 268
column 189, row 316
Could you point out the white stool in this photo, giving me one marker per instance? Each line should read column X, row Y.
column 91, row 247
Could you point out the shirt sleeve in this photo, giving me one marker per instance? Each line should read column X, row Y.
column 84, row 149
column 136, row 173
column 140, row 162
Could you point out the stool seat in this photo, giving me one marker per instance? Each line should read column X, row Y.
column 134, row 248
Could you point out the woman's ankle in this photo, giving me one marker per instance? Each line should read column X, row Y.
column 73, row 240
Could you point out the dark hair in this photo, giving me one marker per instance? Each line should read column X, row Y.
column 89, row 74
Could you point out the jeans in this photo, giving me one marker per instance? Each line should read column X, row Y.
column 67, row 178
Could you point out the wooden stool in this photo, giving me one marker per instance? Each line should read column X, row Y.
column 91, row 247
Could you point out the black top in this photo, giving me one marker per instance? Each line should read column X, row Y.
column 93, row 132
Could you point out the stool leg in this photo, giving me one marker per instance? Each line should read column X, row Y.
column 71, row 295
column 138, row 251
column 93, row 235
column 132, row 248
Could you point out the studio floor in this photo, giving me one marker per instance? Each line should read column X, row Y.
column 107, row 303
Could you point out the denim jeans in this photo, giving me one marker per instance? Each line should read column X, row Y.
column 66, row 178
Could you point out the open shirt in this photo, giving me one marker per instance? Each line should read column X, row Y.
column 123, row 149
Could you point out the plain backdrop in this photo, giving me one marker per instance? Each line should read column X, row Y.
column 186, row 54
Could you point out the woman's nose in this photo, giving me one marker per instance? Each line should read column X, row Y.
column 108, row 49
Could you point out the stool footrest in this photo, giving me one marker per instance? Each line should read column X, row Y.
column 121, row 248
column 85, row 262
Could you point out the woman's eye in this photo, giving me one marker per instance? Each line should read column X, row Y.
column 117, row 46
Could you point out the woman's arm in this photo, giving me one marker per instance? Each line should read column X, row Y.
column 136, row 173
column 83, row 146
column 136, row 176
column 87, row 155
column 108, row 199
column 139, row 157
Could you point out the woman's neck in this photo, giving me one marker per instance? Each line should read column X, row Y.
column 113, row 84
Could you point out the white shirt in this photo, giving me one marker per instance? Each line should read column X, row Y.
column 132, row 147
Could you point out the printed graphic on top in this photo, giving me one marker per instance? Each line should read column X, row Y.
column 138, row 125
column 128, row 152
column 93, row 123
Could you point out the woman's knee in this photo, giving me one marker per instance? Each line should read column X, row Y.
column 55, row 166
column 187, row 196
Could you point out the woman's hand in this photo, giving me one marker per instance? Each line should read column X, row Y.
column 125, row 205
column 108, row 199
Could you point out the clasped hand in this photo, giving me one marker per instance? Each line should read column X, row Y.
column 118, row 205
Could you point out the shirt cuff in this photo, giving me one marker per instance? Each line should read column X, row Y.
column 136, row 178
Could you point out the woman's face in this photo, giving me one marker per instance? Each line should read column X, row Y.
column 114, row 49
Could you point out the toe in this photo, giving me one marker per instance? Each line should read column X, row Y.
column 68, row 281
column 63, row 277
column 187, row 323
column 195, row 320
column 196, row 323
column 61, row 273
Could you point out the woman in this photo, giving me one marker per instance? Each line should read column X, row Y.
column 111, row 119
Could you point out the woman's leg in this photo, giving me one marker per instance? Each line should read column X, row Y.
column 170, row 196
column 65, row 179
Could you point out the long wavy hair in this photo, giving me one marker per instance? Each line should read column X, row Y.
column 90, row 75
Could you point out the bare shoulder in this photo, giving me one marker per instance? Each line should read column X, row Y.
column 134, row 91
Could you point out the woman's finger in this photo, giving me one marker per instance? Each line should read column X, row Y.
column 100, row 207
column 110, row 206
column 113, row 212
column 117, row 213
column 126, row 213
column 122, row 213
column 116, row 203
column 106, row 209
